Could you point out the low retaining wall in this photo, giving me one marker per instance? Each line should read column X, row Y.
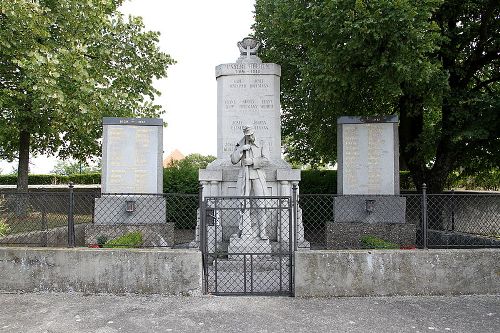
column 397, row 272
column 117, row 271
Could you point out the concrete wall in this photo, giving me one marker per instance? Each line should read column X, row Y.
column 117, row 271
column 397, row 272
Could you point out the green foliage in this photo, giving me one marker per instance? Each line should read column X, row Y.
column 488, row 180
column 90, row 178
column 405, row 181
column 318, row 181
column 182, row 176
column 72, row 168
column 433, row 62
column 4, row 228
column 372, row 242
column 63, row 66
column 130, row 239
column 101, row 240
column 85, row 178
column 8, row 179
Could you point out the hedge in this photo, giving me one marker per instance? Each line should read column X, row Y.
column 87, row 178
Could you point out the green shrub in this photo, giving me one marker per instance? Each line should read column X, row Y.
column 405, row 180
column 318, row 182
column 35, row 179
column 372, row 242
column 182, row 176
column 8, row 179
column 130, row 239
column 85, row 178
column 101, row 240
column 4, row 228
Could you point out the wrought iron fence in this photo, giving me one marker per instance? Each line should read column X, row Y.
column 247, row 245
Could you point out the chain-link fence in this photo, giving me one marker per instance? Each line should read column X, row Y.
column 453, row 220
column 79, row 218
column 42, row 218
column 463, row 220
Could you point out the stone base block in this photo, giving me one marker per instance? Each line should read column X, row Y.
column 369, row 208
column 148, row 209
column 155, row 235
column 248, row 245
column 348, row 235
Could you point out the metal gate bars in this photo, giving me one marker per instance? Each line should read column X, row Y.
column 247, row 245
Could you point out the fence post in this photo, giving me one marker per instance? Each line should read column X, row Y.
column 71, row 218
column 452, row 210
column 295, row 209
column 424, row 215
column 201, row 214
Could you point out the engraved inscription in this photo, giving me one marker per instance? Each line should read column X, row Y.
column 368, row 158
column 131, row 159
column 238, row 84
column 351, row 155
column 375, row 142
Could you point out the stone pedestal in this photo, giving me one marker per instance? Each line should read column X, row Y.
column 219, row 179
column 248, row 244
column 369, row 209
column 112, row 210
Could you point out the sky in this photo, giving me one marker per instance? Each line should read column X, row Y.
column 199, row 35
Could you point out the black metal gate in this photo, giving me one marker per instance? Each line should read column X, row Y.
column 247, row 245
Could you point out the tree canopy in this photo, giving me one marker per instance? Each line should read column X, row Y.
column 182, row 176
column 64, row 64
column 435, row 63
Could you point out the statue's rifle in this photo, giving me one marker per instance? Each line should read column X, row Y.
column 246, row 184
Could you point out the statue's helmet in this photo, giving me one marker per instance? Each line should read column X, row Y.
column 248, row 130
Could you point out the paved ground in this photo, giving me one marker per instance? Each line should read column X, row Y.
column 51, row 312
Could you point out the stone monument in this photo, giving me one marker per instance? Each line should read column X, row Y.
column 248, row 100
column 131, row 181
column 368, row 183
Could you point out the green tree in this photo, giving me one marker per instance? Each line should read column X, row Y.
column 182, row 176
column 64, row 64
column 71, row 168
column 435, row 63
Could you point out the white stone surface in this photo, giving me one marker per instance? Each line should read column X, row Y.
column 368, row 161
column 131, row 156
column 248, row 94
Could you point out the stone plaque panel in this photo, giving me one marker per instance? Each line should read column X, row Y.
column 368, row 156
column 132, row 153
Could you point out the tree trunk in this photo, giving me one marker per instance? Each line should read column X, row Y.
column 24, row 158
column 411, row 124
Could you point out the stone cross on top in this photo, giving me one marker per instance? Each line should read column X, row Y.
column 248, row 48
